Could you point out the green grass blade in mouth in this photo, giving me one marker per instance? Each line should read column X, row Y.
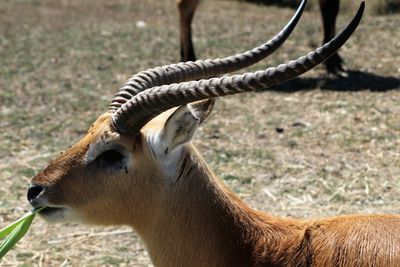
column 9, row 228
column 15, row 231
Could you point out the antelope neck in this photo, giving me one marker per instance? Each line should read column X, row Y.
column 211, row 228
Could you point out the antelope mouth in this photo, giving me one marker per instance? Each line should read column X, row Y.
column 50, row 210
column 54, row 214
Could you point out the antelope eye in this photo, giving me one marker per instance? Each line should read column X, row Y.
column 110, row 157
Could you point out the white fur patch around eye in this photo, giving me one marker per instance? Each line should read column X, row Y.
column 95, row 150
column 123, row 163
column 99, row 146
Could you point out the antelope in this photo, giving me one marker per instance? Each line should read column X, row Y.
column 329, row 11
column 137, row 167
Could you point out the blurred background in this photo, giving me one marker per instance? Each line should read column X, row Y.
column 315, row 146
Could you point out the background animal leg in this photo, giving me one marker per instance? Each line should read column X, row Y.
column 329, row 11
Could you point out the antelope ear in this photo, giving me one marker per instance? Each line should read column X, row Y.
column 183, row 122
column 201, row 109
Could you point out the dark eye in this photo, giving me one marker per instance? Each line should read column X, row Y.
column 110, row 158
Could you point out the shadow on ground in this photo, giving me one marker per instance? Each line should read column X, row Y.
column 356, row 81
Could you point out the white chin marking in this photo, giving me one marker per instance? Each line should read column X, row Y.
column 54, row 215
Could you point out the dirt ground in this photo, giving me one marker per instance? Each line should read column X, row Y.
column 316, row 146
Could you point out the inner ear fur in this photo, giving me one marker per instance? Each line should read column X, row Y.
column 201, row 109
column 183, row 122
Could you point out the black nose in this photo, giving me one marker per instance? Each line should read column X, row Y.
column 34, row 191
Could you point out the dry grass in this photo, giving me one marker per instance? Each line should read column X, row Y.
column 62, row 62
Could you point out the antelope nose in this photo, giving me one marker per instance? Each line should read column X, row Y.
column 33, row 192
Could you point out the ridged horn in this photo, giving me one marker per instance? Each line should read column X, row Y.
column 188, row 71
column 135, row 113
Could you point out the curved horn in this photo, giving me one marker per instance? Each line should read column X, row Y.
column 187, row 71
column 135, row 113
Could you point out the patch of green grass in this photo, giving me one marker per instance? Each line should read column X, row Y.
column 27, row 172
column 292, row 143
column 24, row 256
column 262, row 154
column 110, row 261
column 225, row 156
column 242, row 180
column 15, row 231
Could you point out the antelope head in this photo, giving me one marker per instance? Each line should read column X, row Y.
column 110, row 177
column 121, row 171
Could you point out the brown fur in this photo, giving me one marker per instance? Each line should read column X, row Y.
column 194, row 220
